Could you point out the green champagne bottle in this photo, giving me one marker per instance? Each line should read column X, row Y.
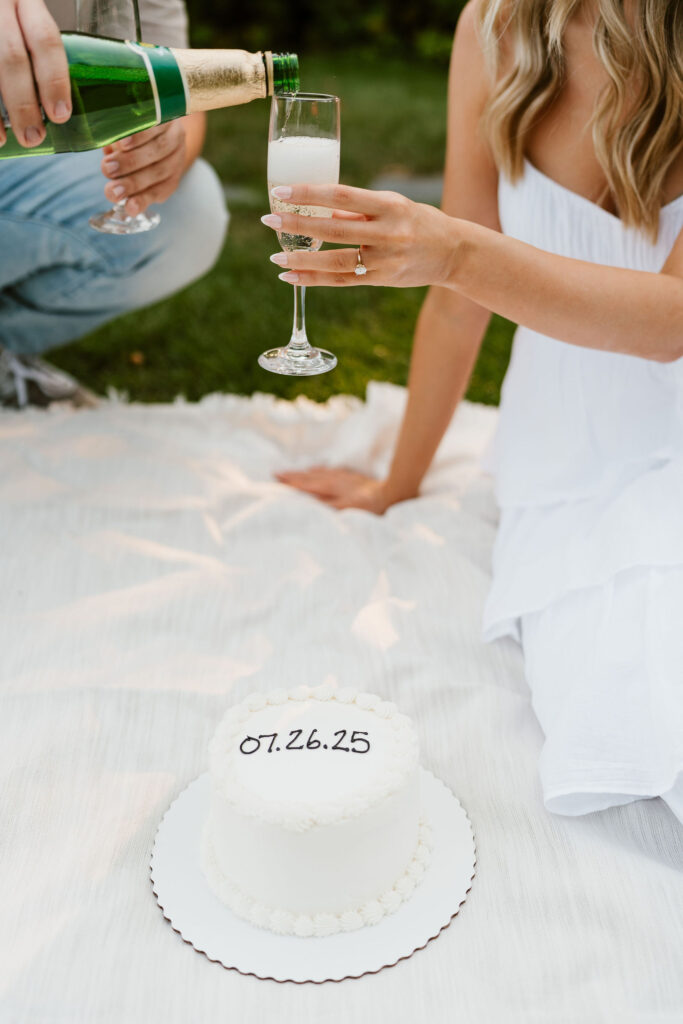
column 119, row 88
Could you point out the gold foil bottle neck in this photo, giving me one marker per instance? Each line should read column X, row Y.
column 221, row 78
column 270, row 72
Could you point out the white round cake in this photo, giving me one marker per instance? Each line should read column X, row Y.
column 314, row 824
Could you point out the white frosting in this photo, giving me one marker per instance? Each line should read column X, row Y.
column 302, row 789
column 304, row 838
column 320, row 923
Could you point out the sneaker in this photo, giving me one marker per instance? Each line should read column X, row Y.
column 27, row 380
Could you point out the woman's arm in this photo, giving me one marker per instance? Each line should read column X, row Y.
column 633, row 312
column 447, row 340
column 615, row 310
column 450, row 326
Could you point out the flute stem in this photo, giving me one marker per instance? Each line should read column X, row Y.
column 299, row 342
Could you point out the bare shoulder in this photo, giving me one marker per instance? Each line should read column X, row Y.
column 471, row 177
column 468, row 20
column 468, row 47
column 468, row 64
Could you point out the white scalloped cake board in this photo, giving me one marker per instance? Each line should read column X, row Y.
column 205, row 923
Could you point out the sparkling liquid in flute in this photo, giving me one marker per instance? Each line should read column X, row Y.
column 297, row 160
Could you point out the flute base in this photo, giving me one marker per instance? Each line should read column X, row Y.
column 289, row 362
column 116, row 222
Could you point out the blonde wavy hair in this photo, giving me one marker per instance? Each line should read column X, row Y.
column 638, row 117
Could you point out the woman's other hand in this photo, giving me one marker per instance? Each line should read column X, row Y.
column 341, row 488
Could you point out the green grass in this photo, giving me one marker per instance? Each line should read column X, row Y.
column 207, row 337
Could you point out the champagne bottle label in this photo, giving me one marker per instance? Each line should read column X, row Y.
column 171, row 97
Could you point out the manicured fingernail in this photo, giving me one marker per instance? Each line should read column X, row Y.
column 32, row 135
column 111, row 166
column 290, row 277
column 281, row 192
column 62, row 111
column 119, row 191
column 271, row 220
column 280, row 258
column 133, row 207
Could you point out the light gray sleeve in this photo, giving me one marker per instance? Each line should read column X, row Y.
column 162, row 21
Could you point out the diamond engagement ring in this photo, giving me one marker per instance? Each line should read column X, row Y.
column 360, row 267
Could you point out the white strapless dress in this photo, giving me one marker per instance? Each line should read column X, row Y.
column 588, row 562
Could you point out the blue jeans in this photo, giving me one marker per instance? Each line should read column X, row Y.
column 60, row 279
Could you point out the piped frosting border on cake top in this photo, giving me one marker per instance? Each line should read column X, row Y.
column 299, row 816
column 284, row 922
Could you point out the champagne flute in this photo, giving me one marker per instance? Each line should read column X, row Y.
column 303, row 148
column 117, row 19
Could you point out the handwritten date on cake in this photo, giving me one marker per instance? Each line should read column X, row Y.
column 359, row 742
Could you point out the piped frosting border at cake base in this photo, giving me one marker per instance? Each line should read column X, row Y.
column 298, row 816
column 284, row 922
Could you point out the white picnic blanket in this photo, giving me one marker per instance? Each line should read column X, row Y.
column 151, row 573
